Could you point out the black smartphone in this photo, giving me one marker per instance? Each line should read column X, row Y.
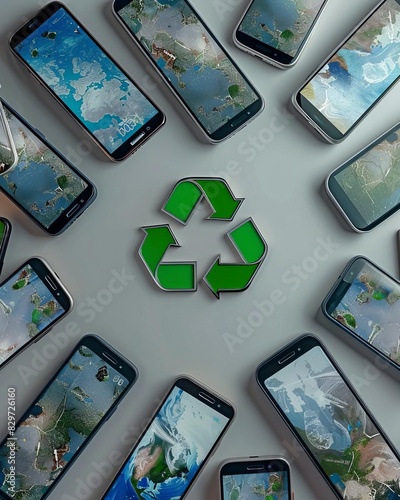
column 255, row 478
column 365, row 302
column 176, row 445
column 277, row 31
column 353, row 79
column 86, row 81
column 44, row 184
column 366, row 188
column 81, row 396
column 194, row 65
column 5, row 232
column 32, row 301
column 331, row 422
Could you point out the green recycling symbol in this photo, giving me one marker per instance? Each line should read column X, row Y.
column 182, row 276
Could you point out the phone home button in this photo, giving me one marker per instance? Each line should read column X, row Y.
column 73, row 210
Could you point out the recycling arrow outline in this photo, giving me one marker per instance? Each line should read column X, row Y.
column 256, row 264
column 154, row 274
column 181, row 204
column 199, row 183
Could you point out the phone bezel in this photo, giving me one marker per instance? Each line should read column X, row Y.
column 194, row 388
column 133, row 142
column 239, row 121
column 313, row 116
column 88, row 196
column 42, row 269
column 266, row 52
column 99, row 347
column 344, row 203
column 4, row 240
column 271, row 366
column 236, row 466
column 340, row 288
column 7, row 132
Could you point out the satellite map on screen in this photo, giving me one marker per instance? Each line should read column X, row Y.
column 189, row 57
column 361, row 71
column 86, row 80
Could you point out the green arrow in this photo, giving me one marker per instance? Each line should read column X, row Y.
column 252, row 248
column 169, row 276
column 188, row 193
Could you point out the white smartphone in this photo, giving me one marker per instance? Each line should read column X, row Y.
column 366, row 188
column 355, row 77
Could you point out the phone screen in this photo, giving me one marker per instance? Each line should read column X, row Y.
column 369, row 306
column 361, row 71
column 264, row 485
column 86, row 80
column 281, row 24
column 190, row 58
column 27, row 307
column 59, row 423
column 167, row 458
column 369, row 188
column 335, row 428
column 41, row 182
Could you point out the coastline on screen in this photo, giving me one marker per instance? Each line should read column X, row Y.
column 362, row 70
column 87, row 81
column 186, row 53
column 335, row 427
column 60, row 422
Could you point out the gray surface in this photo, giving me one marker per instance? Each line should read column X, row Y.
column 167, row 334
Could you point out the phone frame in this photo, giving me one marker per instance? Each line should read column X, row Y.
column 76, row 208
column 6, row 129
column 99, row 347
column 4, row 240
column 240, row 120
column 133, row 142
column 340, row 287
column 332, row 135
column 43, row 270
column 266, row 52
column 331, row 185
column 305, row 343
column 239, row 466
column 192, row 387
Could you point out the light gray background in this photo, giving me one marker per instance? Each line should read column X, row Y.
column 168, row 334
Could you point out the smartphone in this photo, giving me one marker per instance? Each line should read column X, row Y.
column 194, row 65
column 366, row 188
column 254, row 478
column 8, row 153
column 32, row 301
column 63, row 419
column 86, row 81
column 277, row 31
column 365, row 302
column 44, row 184
column 353, row 79
column 331, row 422
column 5, row 232
column 176, row 445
